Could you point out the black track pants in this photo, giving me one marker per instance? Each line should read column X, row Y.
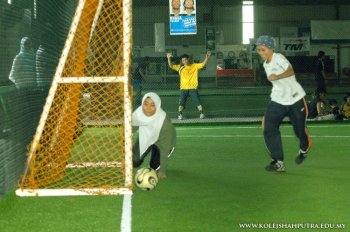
column 274, row 115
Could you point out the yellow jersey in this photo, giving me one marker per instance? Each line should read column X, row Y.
column 188, row 75
column 346, row 110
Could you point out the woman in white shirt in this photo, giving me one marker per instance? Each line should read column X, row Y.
column 287, row 99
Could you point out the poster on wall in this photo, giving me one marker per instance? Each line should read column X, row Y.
column 233, row 57
column 210, row 38
column 182, row 15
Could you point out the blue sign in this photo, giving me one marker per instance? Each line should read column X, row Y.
column 183, row 25
column 182, row 15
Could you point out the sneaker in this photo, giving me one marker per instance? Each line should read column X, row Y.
column 275, row 166
column 180, row 117
column 201, row 116
column 301, row 156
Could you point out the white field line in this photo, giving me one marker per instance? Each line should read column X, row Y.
column 125, row 225
column 252, row 127
column 257, row 136
column 217, row 128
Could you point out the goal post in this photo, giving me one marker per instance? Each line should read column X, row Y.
column 83, row 142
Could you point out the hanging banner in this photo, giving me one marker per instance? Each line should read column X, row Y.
column 299, row 44
column 182, row 15
column 159, row 37
column 330, row 29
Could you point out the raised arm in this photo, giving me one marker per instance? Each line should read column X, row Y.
column 168, row 56
column 142, row 74
column 205, row 61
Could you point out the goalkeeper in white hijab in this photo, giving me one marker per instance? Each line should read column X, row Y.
column 156, row 134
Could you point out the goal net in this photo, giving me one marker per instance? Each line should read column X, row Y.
column 82, row 144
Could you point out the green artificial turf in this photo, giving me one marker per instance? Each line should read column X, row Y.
column 60, row 214
column 216, row 181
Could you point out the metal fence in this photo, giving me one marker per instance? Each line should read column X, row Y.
column 232, row 87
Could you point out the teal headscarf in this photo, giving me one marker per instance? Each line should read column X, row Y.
column 266, row 41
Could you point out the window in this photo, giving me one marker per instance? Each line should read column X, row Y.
column 247, row 21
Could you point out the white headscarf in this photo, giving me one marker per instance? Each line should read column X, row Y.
column 149, row 126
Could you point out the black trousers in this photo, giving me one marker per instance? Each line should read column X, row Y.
column 155, row 156
column 321, row 85
column 273, row 119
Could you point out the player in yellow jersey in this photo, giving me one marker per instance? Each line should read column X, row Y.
column 188, row 73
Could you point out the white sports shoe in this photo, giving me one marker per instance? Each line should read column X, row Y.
column 201, row 116
column 180, row 117
column 276, row 166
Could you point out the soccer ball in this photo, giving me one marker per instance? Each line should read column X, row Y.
column 146, row 179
